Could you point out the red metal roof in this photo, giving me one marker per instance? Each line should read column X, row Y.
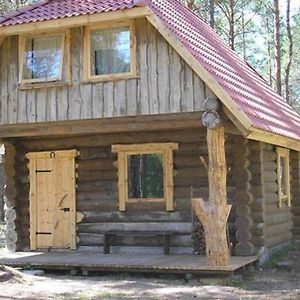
column 251, row 93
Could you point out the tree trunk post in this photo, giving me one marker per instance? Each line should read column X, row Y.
column 214, row 213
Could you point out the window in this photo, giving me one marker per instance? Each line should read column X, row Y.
column 110, row 52
column 283, row 176
column 42, row 58
column 145, row 173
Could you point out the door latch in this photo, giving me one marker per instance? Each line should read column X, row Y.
column 65, row 209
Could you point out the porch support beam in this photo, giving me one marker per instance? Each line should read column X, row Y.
column 214, row 213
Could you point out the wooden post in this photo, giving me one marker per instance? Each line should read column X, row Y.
column 214, row 213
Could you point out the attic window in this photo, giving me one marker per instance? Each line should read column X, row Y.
column 283, row 176
column 42, row 58
column 110, row 52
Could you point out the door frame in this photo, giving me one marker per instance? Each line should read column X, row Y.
column 33, row 156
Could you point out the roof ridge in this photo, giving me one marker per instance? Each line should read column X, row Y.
column 21, row 10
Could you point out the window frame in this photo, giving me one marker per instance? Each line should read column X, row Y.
column 123, row 151
column 64, row 62
column 87, row 72
column 283, row 154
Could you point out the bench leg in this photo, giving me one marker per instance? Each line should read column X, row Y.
column 166, row 244
column 106, row 244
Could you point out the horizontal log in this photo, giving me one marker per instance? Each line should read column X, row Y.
column 96, row 164
column 271, row 198
column 243, row 197
column 111, row 195
column 96, row 175
column 258, row 229
column 188, row 135
column 10, row 214
column 97, row 186
column 87, row 153
column 277, row 218
column 244, row 249
column 258, row 241
column 243, row 223
column 243, row 235
column 257, row 217
column 269, row 156
column 278, row 229
column 97, row 205
column 184, row 227
column 243, row 210
column 277, row 240
column 136, row 216
column 87, row 239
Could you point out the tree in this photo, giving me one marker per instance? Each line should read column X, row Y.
column 290, row 51
column 277, row 46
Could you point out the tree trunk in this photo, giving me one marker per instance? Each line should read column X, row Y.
column 277, row 46
column 212, row 13
column 231, row 25
column 214, row 213
column 290, row 51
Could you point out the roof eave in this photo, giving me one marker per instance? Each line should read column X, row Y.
column 274, row 139
column 75, row 21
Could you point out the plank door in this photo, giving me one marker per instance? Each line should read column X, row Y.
column 52, row 199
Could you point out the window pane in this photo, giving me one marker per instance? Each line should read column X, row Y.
column 110, row 51
column 282, row 175
column 145, row 176
column 42, row 58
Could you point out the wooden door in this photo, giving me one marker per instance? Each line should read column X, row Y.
column 52, row 199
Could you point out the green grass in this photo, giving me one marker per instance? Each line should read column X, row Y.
column 279, row 255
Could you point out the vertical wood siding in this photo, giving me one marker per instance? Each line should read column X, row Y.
column 165, row 83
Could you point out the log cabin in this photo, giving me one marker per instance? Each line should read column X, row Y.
column 128, row 124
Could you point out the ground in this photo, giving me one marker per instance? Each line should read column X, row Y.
column 280, row 279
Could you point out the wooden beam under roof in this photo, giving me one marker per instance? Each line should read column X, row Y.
column 76, row 21
column 108, row 125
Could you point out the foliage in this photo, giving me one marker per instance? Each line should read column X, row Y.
column 248, row 27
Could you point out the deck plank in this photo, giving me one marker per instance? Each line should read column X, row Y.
column 121, row 262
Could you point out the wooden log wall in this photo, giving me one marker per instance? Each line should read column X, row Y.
column 278, row 222
column 97, row 194
column 247, row 179
column 295, row 189
column 165, row 84
column 12, row 238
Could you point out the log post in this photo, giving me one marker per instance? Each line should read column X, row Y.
column 11, row 236
column 214, row 213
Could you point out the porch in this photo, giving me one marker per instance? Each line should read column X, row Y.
column 93, row 261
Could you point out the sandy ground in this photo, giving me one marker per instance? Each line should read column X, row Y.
column 255, row 284
column 280, row 279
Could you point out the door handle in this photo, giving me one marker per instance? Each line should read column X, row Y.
column 65, row 209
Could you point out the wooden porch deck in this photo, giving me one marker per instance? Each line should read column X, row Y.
column 91, row 261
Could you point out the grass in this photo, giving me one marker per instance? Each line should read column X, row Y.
column 279, row 255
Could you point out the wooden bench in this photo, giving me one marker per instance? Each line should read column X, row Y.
column 110, row 235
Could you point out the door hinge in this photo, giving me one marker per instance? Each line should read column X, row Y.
column 65, row 209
